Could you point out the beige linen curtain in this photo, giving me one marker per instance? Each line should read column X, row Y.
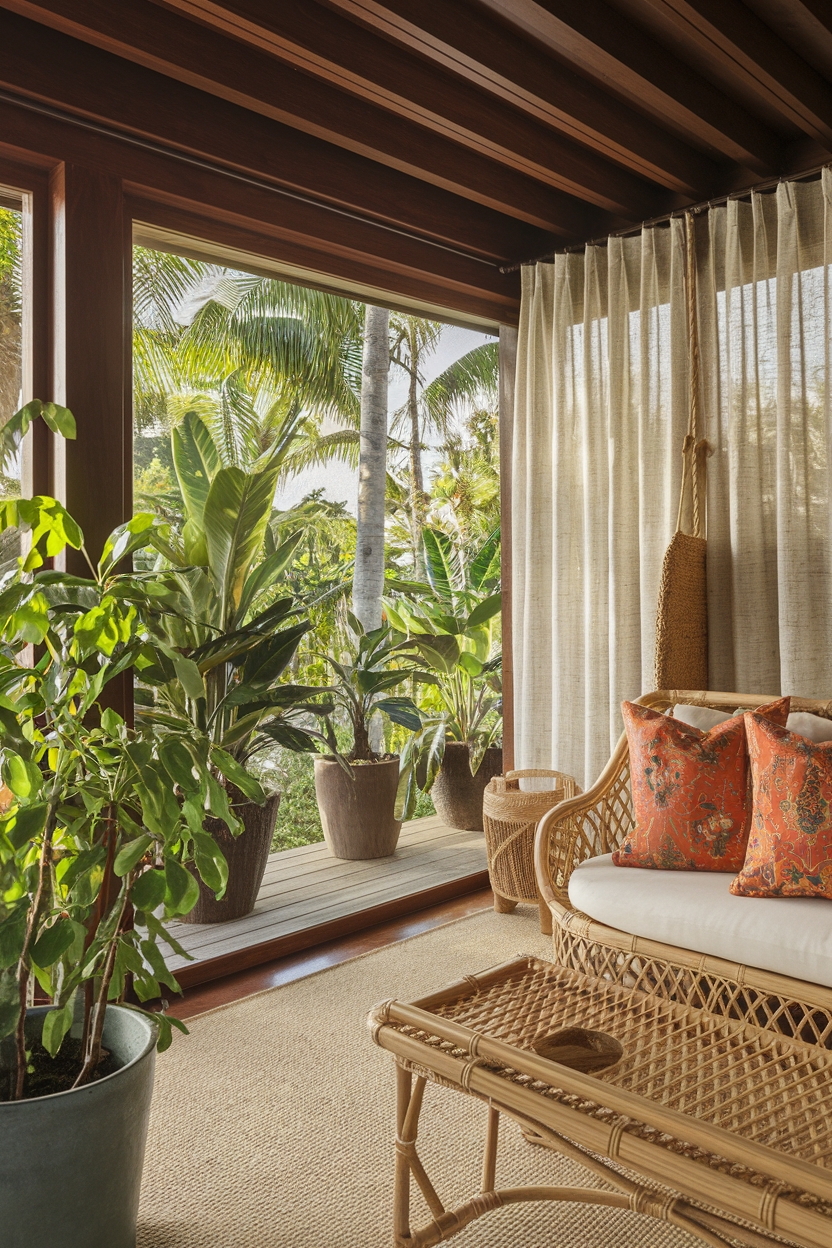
column 600, row 415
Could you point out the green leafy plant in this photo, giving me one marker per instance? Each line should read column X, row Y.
column 449, row 624
column 364, row 676
column 100, row 822
column 217, row 604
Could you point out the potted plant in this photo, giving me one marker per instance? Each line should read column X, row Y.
column 356, row 792
column 454, row 755
column 223, row 615
column 98, row 822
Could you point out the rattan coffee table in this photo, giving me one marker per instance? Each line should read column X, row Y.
column 733, row 1121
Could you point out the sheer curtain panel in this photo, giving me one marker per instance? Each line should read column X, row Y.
column 601, row 411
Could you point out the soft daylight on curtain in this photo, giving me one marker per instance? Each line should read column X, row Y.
column 601, row 413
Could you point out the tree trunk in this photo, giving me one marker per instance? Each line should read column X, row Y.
column 417, row 481
column 368, row 577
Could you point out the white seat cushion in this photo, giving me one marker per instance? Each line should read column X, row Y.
column 694, row 909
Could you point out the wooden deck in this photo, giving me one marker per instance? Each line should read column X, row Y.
column 309, row 897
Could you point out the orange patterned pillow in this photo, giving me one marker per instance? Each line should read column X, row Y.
column 790, row 843
column 690, row 789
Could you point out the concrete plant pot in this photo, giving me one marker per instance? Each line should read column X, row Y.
column 457, row 795
column 357, row 814
column 247, row 856
column 71, row 1163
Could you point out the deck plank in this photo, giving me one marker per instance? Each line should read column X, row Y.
column 306, row 887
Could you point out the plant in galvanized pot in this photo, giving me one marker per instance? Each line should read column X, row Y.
column 98, row 822
column 223, row 614
column 451, row 629
column 356, row 792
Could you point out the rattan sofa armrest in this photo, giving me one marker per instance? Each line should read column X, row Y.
column 582, row 827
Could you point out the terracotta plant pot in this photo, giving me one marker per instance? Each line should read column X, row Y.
column 457, row 795
column 246, row 854
column 357, row 815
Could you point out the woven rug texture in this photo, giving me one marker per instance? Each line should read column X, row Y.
column 273, row 1121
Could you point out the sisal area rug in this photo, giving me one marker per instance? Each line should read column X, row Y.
column 273, row 1121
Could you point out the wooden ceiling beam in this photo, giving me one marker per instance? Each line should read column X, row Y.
column 732, row 36
column 322, row 42
column 208, row 205
column 603, row 43
column 166, row 43
column 95, row 85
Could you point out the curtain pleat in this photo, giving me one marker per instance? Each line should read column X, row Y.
column 601, row 413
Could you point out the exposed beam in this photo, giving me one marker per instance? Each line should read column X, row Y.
column 196, row 202
column 735, row 38
column 417, row 136
column 46, row 65
column 321, row 42
column 603, row 43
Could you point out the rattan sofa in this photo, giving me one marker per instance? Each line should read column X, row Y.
column 595, row 823
column 713, row 1115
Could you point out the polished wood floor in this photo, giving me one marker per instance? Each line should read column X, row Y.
column 308, row 898
column 285, row 970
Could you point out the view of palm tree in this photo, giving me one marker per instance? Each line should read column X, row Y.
column 397, row 431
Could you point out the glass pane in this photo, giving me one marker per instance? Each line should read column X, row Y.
column 13, row 275
column 230, row 366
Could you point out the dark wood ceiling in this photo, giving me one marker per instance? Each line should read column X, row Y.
column 488, row 131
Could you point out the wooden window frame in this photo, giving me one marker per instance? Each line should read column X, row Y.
column 83, row 216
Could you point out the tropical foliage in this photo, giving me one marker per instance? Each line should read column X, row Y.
column 101, row 825
column 271, row 375
column 449, row 623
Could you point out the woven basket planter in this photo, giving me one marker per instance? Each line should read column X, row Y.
column 510, row 819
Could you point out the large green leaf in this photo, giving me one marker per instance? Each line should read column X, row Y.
column 486, row 563
column 269, row 659
column 441, row 652
column 267, row 572
column 488, row 608
column 438, row 550
column 402, row 711
column 248, row 784
column 237, row 512
column 58, row 419
column 196, row 461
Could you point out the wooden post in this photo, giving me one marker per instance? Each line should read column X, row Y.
column 91, row 320
column 91, row 345
column 508, row 366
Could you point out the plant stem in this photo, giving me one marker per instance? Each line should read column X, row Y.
column 102, row 909
column 93, row 1052
column 44, row 876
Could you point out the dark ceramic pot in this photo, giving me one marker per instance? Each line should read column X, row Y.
column 457, row 795
column 246, row 855
column 357, row 814
column 71, row 1163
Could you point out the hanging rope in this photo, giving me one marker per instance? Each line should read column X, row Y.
column 682, row 616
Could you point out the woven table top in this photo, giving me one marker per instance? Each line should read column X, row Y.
column 767, row 1088
column 727, row 1094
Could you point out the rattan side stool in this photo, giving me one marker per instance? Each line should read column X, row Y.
column 510, row 819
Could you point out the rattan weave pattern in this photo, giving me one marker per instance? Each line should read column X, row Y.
column 510, row 817
column 751, row 1082
column 730, row 1119
column 595, row 823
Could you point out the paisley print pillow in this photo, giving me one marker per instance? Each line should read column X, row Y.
column 691, row 793
column 790, row 843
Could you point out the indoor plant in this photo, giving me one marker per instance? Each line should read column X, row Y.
column 451, row 628
column 93, row 852
column 223, row 614
column 356, row 792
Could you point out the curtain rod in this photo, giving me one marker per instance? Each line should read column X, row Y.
column 704, row 206
column 172, row 153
